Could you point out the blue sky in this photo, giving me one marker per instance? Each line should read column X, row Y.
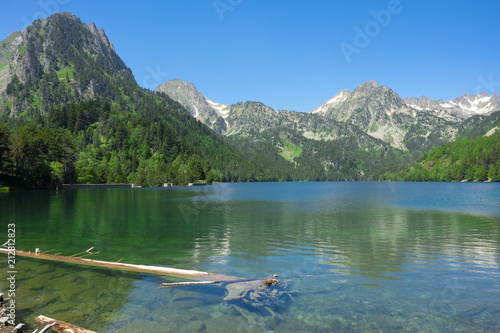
column 293, row 54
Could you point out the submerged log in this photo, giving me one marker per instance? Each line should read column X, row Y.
column 191, row 283
column 270, row 282
column 168, row 271
column 61, row 326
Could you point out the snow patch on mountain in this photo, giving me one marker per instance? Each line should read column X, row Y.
column 333, row 102
column 197, row 112
column 477, row 104
column 222, row 110
column 464, row 106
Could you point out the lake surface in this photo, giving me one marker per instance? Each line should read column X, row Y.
column 351, row 256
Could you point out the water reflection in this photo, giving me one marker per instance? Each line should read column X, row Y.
column 368, row 240
column 390, row 258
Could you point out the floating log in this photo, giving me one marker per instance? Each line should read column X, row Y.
column 168, row 271
column 61, row 326
column 46, row 328
column 89, row 254
column 190, row 283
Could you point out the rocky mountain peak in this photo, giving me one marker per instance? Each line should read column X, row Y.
column 68, row 15
column 367, row 87
column 93, row 28
column 100, row 35
column 188, row 96
column 58, row 53
column 183, row 92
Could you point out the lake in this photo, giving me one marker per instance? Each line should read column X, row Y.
column 351, row 256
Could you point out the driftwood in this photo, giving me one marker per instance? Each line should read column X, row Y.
column 19, row 327
column 168, row 271
column 46, row 328
column 90, row 253
column 61, row 326
column 190, row 283
column 86, row 251
column 268, row 282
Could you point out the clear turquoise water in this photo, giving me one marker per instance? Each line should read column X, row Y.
column 352, row 257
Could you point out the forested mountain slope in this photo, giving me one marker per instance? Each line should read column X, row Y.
column 468, row 160
column 75, row 114
column 71, row 111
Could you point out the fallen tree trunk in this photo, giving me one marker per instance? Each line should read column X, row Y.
column 61, row 326
column 191, row 283
column 47, row 327
column 168, row 271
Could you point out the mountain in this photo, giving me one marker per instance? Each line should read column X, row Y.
column 250, row 118
column 413, row 124
column 209, row 112
column 318, row 148
column 59, row 60
column 76, row 113
column 372, row 115
column 462, row 107
column 383, row 114
column 188, row 96
column 71, row 111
